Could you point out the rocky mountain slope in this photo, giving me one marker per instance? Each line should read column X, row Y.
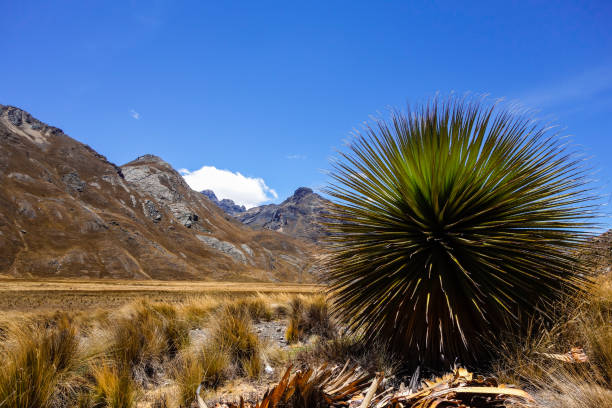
column 301, row 215
column 66, row 211
column 598, row 253
column 227, row 205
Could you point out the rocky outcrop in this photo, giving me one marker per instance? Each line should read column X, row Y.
column 225, row 247
column 597, row 253
column 151, row 211
column 227, row 205
column 66, row 211
column 152, row 175
column 302, row 215
column 73, row 182
column 25, row 125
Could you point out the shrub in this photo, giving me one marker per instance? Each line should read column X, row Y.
column 453, row 223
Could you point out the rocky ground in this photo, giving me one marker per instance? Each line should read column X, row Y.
column 270, row 332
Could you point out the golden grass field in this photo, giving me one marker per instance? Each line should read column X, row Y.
column 72, row 295
column 151, row 332
column 145, row 344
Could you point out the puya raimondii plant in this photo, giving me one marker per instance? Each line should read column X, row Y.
column 453, row 223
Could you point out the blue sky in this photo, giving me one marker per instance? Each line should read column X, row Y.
column 271, row 89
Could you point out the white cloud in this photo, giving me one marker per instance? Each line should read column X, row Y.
column 296, row 157
column 134, row 114
column 247, row 191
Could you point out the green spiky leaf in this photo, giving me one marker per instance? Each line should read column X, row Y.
column 450, row 223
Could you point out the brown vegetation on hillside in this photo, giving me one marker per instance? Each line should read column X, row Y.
column 66, row 211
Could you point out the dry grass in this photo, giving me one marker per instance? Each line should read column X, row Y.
column 209, row 366
column 188, row 375
column 126, row 356
column 339, row 350
column 585, row 323
column 309, row 316
column 119, row 355
column 38, row 363
column 113, row 388
column 234, row 333
column 257, row 308
column 146, row 337
column 73, row 294
column 197, row 309
column 569, row 392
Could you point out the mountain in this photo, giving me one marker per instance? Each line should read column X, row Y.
column 302, row 215
column 66, row 211
column 597, row 252
column 227, row 205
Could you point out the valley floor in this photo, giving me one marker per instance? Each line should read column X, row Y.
column 145, row 344
column 67, row 294
column 151, row 343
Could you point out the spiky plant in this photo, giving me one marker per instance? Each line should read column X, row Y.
column 450, row 223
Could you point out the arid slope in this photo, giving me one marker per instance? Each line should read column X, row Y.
column 66, row 211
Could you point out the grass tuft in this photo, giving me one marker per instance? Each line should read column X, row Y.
column 208, row 366
column 114, row 388
column 309, row 316
column 38, row 365
column 188, row 374
column 146, row 337
column 234, row 334
column 257, row 308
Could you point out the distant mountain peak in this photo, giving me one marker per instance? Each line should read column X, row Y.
column 26, row 125
column 211, row 195
column 300, row 215
column 149, row 158
column 302, row 191
column 227, row 205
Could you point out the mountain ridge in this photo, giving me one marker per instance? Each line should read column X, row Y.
column 226, row 204
column 66, row 211
column 301, row 215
